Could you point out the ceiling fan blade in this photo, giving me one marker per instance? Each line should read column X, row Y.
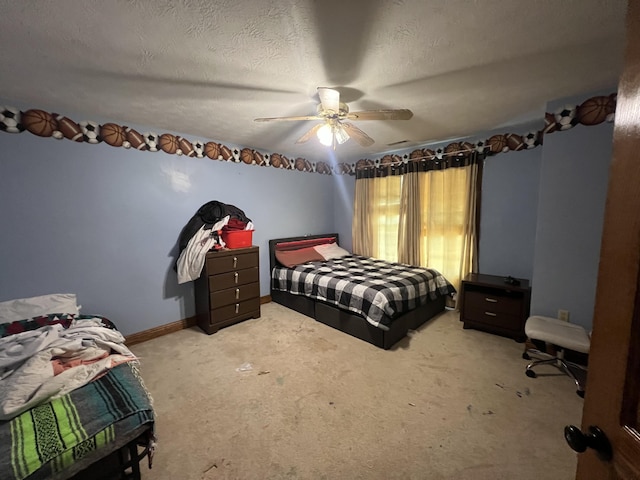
column 307, row 136
column 358, row 135
column 329, row 98
column 288, row 119
column 401, row 114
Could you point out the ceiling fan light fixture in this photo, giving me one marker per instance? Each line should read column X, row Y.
column 336, row 130
column 341, row 135
column 325, row 135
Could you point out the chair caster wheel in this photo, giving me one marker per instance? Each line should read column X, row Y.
column 580, row 393
column 530, row 373
column 526, row 356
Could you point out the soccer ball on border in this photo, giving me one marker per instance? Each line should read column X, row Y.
column 531, row 140
column 10, row 120
column 198, row 148
column 481, row 146
column 151, row 139
column 90, row 131
column 566, row 117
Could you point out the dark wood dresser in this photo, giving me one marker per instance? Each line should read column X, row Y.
column 490, row 304
column 228, row 291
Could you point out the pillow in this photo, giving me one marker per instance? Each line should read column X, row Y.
column 22, row 308
column 307, row 242
column 330, row 251
column 291, row 258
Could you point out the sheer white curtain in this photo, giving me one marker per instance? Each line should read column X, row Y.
column 448, row 213
column 376, row 216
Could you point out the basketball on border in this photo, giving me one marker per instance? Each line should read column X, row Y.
column 168, row 143
column 39, row 122
column 113, row 134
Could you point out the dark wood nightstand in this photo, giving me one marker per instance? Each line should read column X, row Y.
column 490, row 304
column 228, row 291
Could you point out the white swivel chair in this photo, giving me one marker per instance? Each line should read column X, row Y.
column 562, row 335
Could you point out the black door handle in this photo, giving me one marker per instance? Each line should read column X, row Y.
column 595, row 439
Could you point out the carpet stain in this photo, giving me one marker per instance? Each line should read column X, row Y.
column 280, row 380
column 525, row 392
column 323, row 345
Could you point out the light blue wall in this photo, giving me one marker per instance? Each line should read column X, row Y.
column 508, row 214
column 572, row 195
column 103, row 222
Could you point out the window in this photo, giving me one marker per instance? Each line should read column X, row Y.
column 444, row 203
column 438, row 228
column 385, row 213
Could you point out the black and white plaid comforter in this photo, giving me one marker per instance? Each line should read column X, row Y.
column 376, row 289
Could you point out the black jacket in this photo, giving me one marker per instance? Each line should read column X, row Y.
column 208, row 214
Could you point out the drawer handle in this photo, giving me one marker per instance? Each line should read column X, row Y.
column 492, row 300
column 237, row 293
column 235, row 262
column 491, row 314
column 236, row 276
column 237, row 307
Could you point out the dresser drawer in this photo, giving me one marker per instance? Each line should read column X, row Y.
column 495, row 319
column 234, row 295
column 229, row 312
column 226, row 262
column 223, row 281
column 477, row 302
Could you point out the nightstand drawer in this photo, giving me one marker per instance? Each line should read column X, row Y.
column 223, row 281
column 234, row 295
column 496, row 319
column 231, row 262
column 241, row 309
column 496, row 302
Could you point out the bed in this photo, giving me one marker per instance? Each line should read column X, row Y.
column 72, row 402
column 317, row 286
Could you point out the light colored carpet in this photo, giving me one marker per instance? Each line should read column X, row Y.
column 315, row 403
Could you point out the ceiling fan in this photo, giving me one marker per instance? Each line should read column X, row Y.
column 335, row 129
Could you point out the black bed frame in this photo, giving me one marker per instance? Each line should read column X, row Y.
column 346, row 321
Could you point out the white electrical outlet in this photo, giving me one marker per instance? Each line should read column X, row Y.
column 563, row 315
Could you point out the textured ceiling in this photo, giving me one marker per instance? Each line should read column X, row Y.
column 207, row 69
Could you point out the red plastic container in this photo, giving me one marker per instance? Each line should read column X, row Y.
column 237, row 238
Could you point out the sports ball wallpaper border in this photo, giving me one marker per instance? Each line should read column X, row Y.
column 592, row 111
column 45, row 124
